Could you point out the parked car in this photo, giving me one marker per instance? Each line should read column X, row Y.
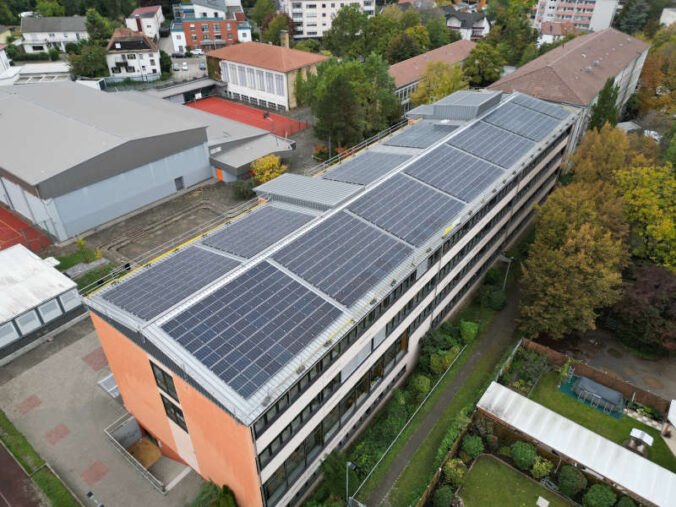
column 176, row 67
column 184, row 66
column 203, row 66
column 178, row 55
column 198, row 52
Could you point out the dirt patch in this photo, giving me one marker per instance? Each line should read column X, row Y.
column 145, row 452
column 629, row 371
column 652, row 382
column 615, row 353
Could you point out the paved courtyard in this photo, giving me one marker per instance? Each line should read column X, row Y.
column 51, row 396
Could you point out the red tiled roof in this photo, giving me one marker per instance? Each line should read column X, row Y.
column 130, row 35
column 140, row 11
column 575, row 72
column 2, row 46
column 267, row 56
column 558, row 28
column 410, row 70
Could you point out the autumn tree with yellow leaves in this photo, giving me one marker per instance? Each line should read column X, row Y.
column 438, row 80
column 266, row 168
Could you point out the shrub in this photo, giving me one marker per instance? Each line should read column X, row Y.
column 454, row 472
column 599, row 495
column 450, row 329
column 625, row 501
column 571, row 480
column 468, row 331
column 437, row 364
column 243, row 189
column 267, row 168
column 541, row 468
column 452, row 433
column 497, row 300
column 472, row 445
column 505, row 451
column 53, row 54
column 442, row 497
column 523, row 455
column 72, row 47
column 419, row 387
column 492, row 276
column 492, row 443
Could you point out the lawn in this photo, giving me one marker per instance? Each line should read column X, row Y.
column 80, row 255
column 547, row 394
column 491, row 482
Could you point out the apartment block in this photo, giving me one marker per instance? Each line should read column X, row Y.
column 258, row 348
column 312, row 19
column 208, row 24
column 591, row 15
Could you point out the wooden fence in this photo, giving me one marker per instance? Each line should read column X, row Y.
column 629, row 391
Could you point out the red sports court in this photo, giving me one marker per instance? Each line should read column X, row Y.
column 250, row 115
column 13, row 230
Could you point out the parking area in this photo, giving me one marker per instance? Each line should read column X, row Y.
column 187, row 69
column 52, row 397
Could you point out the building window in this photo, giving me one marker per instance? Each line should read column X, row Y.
column 269, row 82
column 260, row 80
column 51, row 35
column 49, row 310
column 131, row 56
column 279, row 82
column 173, row 412
column 164, row 381
column 152, row 61
column 192, row 27
column 205, row 36
column 242, row 75
column 218, row 36
column 194, row 37
column 251, row 78
column 233, row 74
column 229, row 36
column 205, row 28
column 204, row 14
column 7, row 334
column 28, row 322
column 217, row 27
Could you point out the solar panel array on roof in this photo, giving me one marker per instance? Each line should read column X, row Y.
column 344, row 258
column 492, row 143
column 257, row 231
column 247, row 330
column 365, row 168
column 420, row 135
column 523, row 121
column 161, row 285
column 455, row 172
column 408, row 209
column 541, row 106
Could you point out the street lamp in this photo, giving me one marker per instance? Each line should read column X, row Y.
column 348, row 465
column 508, row 260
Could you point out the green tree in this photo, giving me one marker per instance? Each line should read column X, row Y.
column 273, row 28
column 420, row 35
column 632, row 17
column 438, row 32
column 523, row 455
column 98, row 28
column 91, row 62
column 473, row 445
column 346, row 27
column 262, row 10
column 50, row 8
column 670, row 153
column 605, row 109
column 438, row 80
column 380, row 105
column 401, row 47
column 599, row 154
column 380, row 30
column 165, row 62
column 483, row 66
column 571, row 481
column 442, row 497
column 511, row 32
column 6, row 15
column 409, row 19
column 308, row 45
column 454, row 472
column 337, row 121
column 599, row 495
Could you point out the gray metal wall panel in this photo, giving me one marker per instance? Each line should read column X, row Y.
column 121, row 159
column 106, row 200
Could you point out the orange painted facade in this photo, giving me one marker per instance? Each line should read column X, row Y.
column 223, row 448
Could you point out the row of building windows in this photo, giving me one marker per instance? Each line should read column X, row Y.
column 285, row 476
column 216, row 27
column 253, row 78
column 271, row 414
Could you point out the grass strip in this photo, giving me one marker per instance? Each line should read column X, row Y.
column 53, row 488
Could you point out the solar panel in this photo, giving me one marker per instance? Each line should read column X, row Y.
column 247, row 330
column 161, row 285
column 523, row 121
column 365, row 168
column 344, row 257
column 408, row 209
column 257, row 231
column 541, row 106
column 455, row 172
column 420, row 135
column 491, row 143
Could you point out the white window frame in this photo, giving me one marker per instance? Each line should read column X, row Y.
column 70, row 300
column 49, row 310
column 28, row 326
column 8, row 334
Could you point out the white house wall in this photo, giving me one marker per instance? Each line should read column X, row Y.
column 49, row 40
column 111, row 198
column 251, row 88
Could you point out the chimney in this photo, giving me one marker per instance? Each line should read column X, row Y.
column 284, row 38
column 138, row 23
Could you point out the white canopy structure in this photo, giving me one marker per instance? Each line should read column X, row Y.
column 628, row 471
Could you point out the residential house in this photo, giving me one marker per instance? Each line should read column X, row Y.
column 291, row 325
column 312, row 18
column 470, row 25
column 407, row 74
column 208, row 24
column 132, row 55
column 668, row 16
column 588, row 15
column 575, row 72
column 147, row 20
column 554, row 31
column 263, row 74
column 40, row 34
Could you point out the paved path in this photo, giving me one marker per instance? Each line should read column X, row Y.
column 498, row 335
column 16, row 489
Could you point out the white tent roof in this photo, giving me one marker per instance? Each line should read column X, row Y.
column 26, row 281
column 629, row 471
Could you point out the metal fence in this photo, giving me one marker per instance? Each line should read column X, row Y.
column 354, row 149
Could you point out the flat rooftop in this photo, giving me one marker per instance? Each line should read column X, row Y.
column 301, row 276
